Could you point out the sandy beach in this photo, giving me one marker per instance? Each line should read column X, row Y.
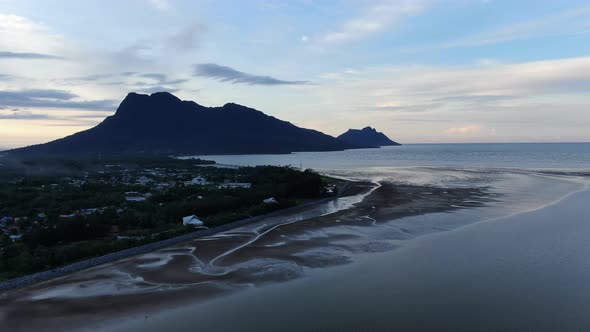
column 268, row 252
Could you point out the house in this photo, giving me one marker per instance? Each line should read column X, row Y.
column 270, row 200
column 15, row 237
column 233, row 185
column 198, row 181
column 192, row 221
column 134, row 196
column 5, row 220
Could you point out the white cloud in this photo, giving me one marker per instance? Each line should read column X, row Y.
column 465, row 130
column 530, row 98
column 19, row 34
column 377, row 18
column 570, row 22
column 567, row 22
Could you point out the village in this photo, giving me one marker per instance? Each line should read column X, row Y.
column 111, row 206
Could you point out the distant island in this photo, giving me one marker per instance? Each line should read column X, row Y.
column 163, row 124
column 367, row 136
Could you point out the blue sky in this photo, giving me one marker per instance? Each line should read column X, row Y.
column 420, row 70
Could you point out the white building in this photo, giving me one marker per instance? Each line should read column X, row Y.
column 198, row 181
column 192, row 221
column 270, row 200
column 15, row 237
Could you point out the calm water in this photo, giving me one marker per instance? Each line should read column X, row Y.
column 520, row 263
column 514, row 155
column 527, row 272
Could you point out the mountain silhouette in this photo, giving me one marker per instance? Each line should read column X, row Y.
column 366, row 137
column 161, row 123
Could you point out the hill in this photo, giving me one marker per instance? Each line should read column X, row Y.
column 367, row 136
column 161, row 123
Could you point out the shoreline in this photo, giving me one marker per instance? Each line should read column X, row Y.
column 89, row 263
column 484, row 275
column 200, row 269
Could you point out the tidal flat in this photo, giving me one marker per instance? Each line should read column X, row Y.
column 264, row 253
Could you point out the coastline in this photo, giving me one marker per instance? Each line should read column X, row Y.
column 260, row 253
column 486, row 276
column 61, row 271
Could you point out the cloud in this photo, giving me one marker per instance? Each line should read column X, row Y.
column 566, row 22
column 228, row 74
column 160, row 4
column 465, row 130
column 155, row 81
column 186, row 39
column 33, row 40
column 28, row 56
column 134, row 54
column 410, row 108
column 50, row 99
column 532, row 99
column 475, row 98
column 96, row 77
column 147, row 51
column 154, row 89
column 161, row 79
column 157, row 77
column 21, row 115
column 376, row 19
column 569, row 22
column 494, row 83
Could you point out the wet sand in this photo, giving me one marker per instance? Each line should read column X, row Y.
column 263, row 253
column 526, row 271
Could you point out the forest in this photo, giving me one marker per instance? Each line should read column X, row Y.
column 48, row 220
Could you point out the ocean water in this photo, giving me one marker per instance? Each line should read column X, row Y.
column 520, row 262
column 563, row 156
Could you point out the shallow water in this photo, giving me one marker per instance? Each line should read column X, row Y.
column 520, row 262
column 523, row 270
column 511, row 253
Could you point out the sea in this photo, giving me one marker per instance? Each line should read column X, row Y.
column 561, row 156
column 520, row 262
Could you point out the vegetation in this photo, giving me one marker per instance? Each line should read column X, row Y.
column 79, row 209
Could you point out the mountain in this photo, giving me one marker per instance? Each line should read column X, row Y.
column 161, row 123
column 366, row 137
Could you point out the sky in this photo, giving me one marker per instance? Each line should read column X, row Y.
column 421, row 71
